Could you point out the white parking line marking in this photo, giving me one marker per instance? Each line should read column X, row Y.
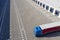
column 19, row 21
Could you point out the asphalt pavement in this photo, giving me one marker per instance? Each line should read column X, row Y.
column 24, row 15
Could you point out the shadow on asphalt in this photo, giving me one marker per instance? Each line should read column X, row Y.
column 52, row 34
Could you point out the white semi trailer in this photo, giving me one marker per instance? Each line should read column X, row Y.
column 52, row 6
column 43, row 29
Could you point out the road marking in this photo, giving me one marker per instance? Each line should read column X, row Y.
column 3, row 11
column 20, row 22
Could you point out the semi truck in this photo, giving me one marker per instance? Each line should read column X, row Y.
column 43, row 29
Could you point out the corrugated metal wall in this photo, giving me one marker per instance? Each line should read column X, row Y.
column 4, row 19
